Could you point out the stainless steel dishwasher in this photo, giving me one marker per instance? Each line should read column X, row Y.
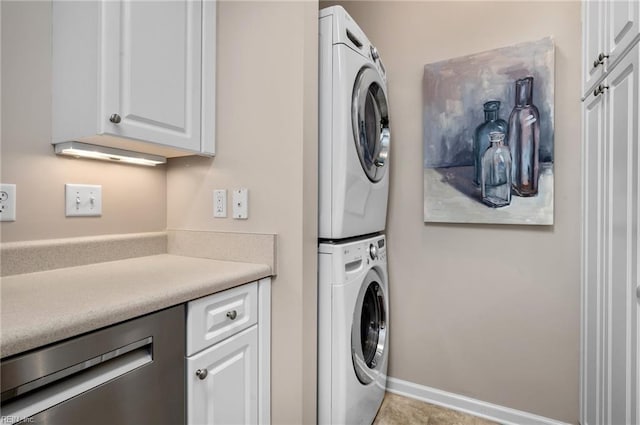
column 129, row 373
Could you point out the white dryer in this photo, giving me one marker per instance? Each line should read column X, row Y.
column 354, row 131
column 353, row 330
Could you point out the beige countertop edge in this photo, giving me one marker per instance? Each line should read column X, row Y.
column 45, row 307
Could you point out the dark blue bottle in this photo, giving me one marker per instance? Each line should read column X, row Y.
column 481, row 136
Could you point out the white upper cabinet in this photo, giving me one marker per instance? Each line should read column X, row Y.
column 610, row 28
column 138, row 75
column 592, row 43
column 152, row 71
column 623, row 18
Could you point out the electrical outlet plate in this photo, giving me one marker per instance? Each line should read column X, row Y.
column 241, row 204
column 7, row 202
column 83, row 200
column 220, row 203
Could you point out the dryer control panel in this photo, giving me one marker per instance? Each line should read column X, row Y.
column 368, row 250
column 349, row 258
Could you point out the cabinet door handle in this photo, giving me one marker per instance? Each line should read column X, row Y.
column 600, row 89
column 202, row 373
column 638, row 291
column 600, row 60
column 232, row 314
column 115, row 118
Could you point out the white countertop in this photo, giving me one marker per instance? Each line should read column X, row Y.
column 44, row 307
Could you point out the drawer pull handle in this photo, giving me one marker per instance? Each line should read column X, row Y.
column 115, row 118
column 232, row 314
column 202, row 373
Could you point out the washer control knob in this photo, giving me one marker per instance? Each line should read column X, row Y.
column 373, row 251
column 374, row 53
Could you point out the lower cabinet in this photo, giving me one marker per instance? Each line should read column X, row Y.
column 227, row 362
column 222, row 382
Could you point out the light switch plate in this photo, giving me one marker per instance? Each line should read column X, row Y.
column 83, row 200
column 241, row 203
column 7, row 202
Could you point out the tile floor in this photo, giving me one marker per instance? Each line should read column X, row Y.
column 398, row 410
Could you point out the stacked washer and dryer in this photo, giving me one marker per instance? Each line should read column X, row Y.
column 353, row 308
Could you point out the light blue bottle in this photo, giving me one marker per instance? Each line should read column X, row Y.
column 481, row 136
column 496, row 172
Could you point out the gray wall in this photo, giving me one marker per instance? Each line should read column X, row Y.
column 134, row 198
column 490, row 312
column 267, row 141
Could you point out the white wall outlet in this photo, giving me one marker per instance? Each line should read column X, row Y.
column 7, row 202
column 220, row 203
column 84, row 200
column 241, row 204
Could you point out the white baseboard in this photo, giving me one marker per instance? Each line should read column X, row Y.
column 493, row 412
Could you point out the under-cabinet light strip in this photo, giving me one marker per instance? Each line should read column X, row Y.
column 87, row 150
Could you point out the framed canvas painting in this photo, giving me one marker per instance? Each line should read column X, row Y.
column 489, row 136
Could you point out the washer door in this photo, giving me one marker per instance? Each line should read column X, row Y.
column 369, row 330
column 370, row 121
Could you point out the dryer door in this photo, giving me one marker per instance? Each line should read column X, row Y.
column 370, row 121
column 369, row 330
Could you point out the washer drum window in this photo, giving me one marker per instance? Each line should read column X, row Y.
column 369, row 331
column 370, row 120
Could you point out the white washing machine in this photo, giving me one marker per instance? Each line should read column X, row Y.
column 353, row 333
column 354, row 131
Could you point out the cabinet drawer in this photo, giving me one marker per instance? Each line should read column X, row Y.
column 216, row 317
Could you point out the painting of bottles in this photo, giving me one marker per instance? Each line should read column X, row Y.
column 489, row 136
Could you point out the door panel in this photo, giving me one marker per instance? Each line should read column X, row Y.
column 623, row 16
column 229, row 392
column 592, row 265
column 152, row 70
column 593, row 42
column 153, row 82
column 623, row 116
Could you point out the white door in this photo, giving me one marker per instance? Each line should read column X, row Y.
column 592, row 254
column 151, row 71
column 593, row 42
column 623, row 230
column 623, row 26
column 222, row 382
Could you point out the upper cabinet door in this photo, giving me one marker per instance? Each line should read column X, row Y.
column 138, row 75
column 592, row 43
column 151, row 71
column 622, row 26
column 609, row 29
